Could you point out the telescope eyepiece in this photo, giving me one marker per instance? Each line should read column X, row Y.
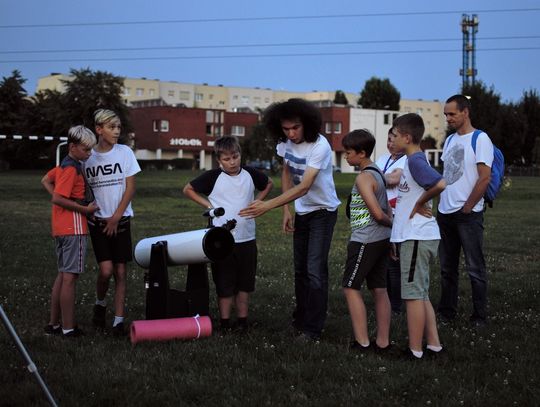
column 214, row 212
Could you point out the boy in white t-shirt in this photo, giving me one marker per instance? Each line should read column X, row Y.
column 416, row 231
column 306, row 179
column 110, row 173
column 232, row 187
column 391, row 165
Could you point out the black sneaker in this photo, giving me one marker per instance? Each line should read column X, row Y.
column 99, row 316
column 51, row 330
column 387, row 350
column 431, row 354
column 409, row 355
column 119, row 329
column 76, row 333
column 356, row 346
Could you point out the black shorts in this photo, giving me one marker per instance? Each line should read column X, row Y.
column 366, row 261
column 237, row 272
column 114, row 248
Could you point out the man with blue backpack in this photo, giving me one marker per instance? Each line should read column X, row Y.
column 468, row 157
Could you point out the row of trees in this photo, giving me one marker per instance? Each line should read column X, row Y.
column 514, row 127
column 52, row 113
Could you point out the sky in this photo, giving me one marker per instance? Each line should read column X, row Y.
column 301, row 45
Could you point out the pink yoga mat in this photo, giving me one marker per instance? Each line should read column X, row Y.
column 174, row 328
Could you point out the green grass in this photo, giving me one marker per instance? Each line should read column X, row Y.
column 495, row 366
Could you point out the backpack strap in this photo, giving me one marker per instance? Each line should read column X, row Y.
column 475, row 135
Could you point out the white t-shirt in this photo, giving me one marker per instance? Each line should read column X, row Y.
column 232, row 193
column 417, row 177
column 460, row 170
column 106, row 174
column 387, row 165
column 318, row 155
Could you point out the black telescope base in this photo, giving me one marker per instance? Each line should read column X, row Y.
column 162, row 301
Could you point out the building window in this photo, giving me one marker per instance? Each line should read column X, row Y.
column 170, row 93
column 337, row 128
column 184, row 95
column 245, row 100
column 160, row 125
column 208, row 129
column 328, row 127
column 218, row 131
column 238, row 131
column 164, row 125
column 210, row 96
column 209, row 116
column 386, row 118
column 152, row 92
column 127, row 91
column 139, row 92
column 419, row 111
column 198, row 97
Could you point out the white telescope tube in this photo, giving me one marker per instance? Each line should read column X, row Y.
column 196, row 246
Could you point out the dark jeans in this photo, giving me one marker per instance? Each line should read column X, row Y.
column 312, row 238
column 459, row 230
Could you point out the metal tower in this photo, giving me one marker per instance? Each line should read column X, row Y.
column 469, row 28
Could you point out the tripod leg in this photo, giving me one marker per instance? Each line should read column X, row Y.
column 32, row 368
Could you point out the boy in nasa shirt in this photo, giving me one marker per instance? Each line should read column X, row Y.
column 110, row 172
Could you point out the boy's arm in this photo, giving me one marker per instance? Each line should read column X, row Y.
column 68, row 204
column 111, row 226
column 392, row 178
column 429, row 194
column 258, row 208
column 262, row 194
column 366, row 185
column 47, row 184
column 190, row 193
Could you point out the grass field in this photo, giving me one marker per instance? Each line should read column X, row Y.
column 494, row 366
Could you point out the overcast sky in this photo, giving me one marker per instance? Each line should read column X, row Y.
column 300, row 45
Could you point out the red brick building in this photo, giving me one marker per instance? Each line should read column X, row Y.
column 166, row 132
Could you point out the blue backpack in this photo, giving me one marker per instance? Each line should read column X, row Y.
column 497, row 170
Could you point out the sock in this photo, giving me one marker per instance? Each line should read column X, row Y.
column 102, row 302
column 416, row 353
column 66, row 331
column 434, row 348
column 117, row 320
column 55, row 326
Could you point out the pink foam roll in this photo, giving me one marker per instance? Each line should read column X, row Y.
column 173, row 328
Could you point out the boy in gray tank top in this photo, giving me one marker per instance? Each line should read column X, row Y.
column 368, row 248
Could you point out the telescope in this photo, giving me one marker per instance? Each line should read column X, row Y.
column 195, row 249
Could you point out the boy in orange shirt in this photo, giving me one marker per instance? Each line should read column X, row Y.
column 69, row 228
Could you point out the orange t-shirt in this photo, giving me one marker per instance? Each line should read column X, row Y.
column 68, row 182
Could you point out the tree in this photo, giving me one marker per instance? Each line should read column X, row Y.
column 92, row 90
column 259, row 145
column 529, row 107
column 485, row 106
column 340, row 98
column 14, row 106
column 379, row 94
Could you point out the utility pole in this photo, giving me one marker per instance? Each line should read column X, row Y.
column 469, row 28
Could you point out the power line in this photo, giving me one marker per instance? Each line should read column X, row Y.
column 269, row 18
column 164, row 58
column 292, row 44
